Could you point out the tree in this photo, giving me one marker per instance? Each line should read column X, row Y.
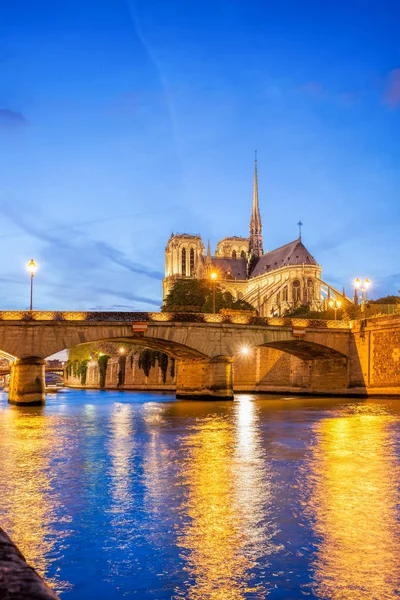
column 197, row 295
column 386, row 300
column 188, row 294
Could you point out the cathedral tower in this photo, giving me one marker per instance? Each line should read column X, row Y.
column 255, row 239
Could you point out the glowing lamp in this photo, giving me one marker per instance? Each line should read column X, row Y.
column 32, row 267
column 214, row 276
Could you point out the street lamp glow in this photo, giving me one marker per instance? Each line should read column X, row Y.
column 213, row 277
column 122, row 350
column 32, row 270
column 32, row 267
column 362, row 286
column 335, row 304
column 244, row 350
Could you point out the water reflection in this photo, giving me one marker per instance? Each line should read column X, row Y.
column 354, row 499
column 224, row 528
column 29, row 509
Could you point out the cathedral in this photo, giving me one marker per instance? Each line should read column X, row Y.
column 273, row 282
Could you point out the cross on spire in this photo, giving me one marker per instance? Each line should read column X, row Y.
column 300, row 224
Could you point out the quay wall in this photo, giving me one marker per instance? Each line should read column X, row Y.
column 262, row 370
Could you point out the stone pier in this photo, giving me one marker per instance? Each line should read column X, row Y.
column 27, row 382
column 205, row 379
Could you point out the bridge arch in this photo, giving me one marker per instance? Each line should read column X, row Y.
column 305, row 350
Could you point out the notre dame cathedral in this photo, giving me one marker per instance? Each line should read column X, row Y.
column 273, row 282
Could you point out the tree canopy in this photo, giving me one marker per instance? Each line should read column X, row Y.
column 197, row 295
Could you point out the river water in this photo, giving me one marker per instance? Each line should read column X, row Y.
column 136, row 495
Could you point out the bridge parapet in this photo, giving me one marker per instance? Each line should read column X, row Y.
column 156, row 317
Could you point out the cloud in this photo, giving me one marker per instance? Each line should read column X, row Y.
column 11, row 118
column 392, row 91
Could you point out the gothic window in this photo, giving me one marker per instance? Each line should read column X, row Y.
column 243, row 254
column 234, row 254
column 191, row 262
column 285, row 294
column 183, row 261
column 296, row 291
column 278, row 298
column 309, row 291
column 240, row 295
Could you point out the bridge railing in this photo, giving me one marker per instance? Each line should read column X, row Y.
column 156, row 317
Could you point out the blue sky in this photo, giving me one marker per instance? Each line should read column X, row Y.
column 121, row 121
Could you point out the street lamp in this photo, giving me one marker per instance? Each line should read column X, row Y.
column 214, row 277
column 32, row 270
column 362, row 286
column 335, row 304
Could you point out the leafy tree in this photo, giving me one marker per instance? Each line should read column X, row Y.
column 197, row 295
column 188, row 293
column 386, row 300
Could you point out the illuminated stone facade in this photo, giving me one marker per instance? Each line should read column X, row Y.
column 273, row 282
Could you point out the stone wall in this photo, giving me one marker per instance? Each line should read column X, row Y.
column 135, row 378
column 269, row 370
column 375, row 356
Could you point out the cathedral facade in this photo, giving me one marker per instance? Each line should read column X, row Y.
column 273, row 282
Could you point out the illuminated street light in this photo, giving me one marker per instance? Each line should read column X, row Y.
column 32, row 267
column 335, row 304
column 122, row 350
column 214, row 277
column 363, row 287
column 244, row 350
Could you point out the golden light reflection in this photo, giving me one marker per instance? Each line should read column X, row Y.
column 353, row 503
column 253, row 489
column 121, row 451
column 28, row 441
column 213, row 539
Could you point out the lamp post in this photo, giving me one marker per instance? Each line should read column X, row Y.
column 32, row 270
column 362, row 286
column 214, row 277
column 335, row 304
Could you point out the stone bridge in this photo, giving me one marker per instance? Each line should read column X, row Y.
column 204, row 345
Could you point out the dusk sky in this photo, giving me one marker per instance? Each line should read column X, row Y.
column 122, row 121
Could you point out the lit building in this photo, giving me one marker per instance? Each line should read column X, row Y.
column 273, row 282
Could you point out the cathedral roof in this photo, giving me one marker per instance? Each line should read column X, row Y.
column 234, row 267
column 294, row 253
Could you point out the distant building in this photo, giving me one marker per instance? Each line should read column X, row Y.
column 273, row 282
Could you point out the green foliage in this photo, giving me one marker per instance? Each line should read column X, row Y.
column 197, row 295
column 386, row 300
column 121, row 370
column 145, row 360
column 149, row 358
column 189, row 293
column 77, row 368
column 102, row 361
column 163, row 364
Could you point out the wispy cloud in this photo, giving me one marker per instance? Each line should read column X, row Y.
column 10, row 118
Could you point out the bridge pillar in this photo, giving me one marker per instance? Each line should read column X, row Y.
column 206, row 379
column 27, row 382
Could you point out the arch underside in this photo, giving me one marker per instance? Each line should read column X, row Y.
column 305, row 350
column 173, row 349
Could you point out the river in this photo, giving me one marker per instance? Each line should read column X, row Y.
column 115, row 495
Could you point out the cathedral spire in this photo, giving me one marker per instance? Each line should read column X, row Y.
column 208, row 256
column 255, row 240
